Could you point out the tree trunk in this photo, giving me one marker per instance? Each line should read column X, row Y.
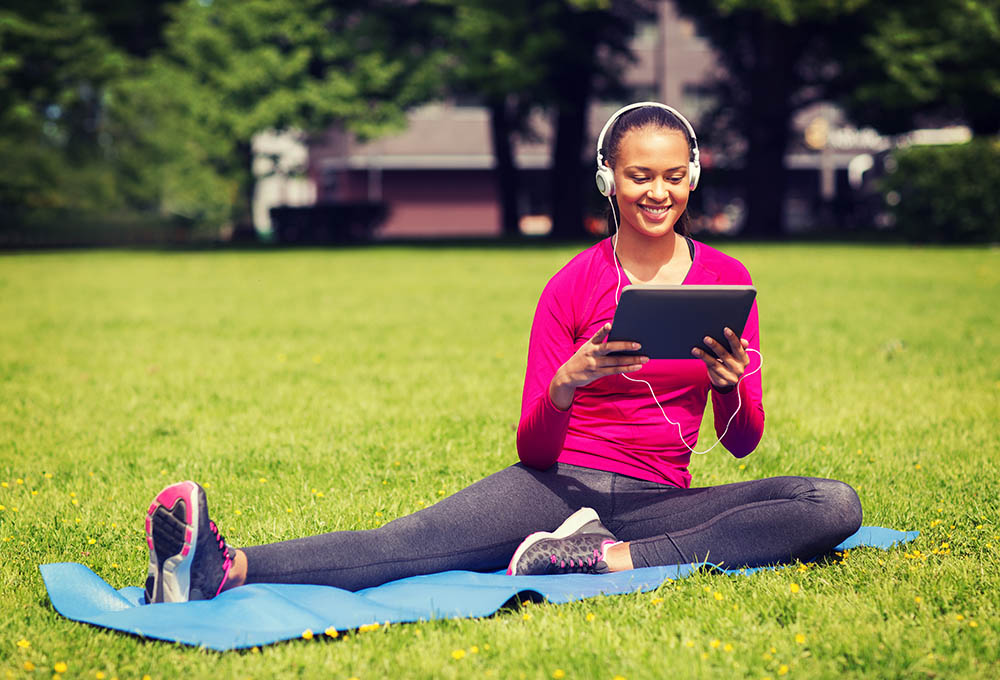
column 568, row 179
column 244, row 229
column 505, row 168
column 767, row 119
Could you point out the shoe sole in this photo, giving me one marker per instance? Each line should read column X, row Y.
column 573, row 523
column 171, row 543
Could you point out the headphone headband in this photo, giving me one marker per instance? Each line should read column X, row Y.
column 605, row 177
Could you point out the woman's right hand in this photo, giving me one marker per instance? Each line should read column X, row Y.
column 591, row 362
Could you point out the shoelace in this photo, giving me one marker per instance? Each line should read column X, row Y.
column 562, row 565
column 228, row 561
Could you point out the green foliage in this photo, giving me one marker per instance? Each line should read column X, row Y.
column 270, row 375
column 93, row 117
column 947, row 193
column 926, row 61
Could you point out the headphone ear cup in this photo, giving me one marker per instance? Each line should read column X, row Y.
column 694, row 172
column 605, row 179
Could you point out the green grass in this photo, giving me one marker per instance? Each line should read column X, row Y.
column 322, row 390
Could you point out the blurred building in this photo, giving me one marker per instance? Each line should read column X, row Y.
column 436, row 179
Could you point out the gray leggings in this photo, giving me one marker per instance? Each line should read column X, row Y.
column 760, row 522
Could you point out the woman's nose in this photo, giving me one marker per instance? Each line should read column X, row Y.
column 657, row 190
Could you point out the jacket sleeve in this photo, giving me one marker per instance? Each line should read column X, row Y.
column 747, row 426
column 542, row 428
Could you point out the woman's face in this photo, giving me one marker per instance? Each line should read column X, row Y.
column 651, row 179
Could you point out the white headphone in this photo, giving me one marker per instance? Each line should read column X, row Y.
column 606, row 176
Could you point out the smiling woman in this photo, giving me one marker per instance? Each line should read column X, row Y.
column 602, row 480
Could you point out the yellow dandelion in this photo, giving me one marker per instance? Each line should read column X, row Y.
column 558, row 674
column 458, row 654
column 800, row 638
column 689, row 643
column 728, row 647
column 20, row 481
column 527, row 616
column 704, row 655
column 60, row 667
column 783, row 669
column 23, row 644
column 239, row 512
column 794, row 587
column 714, row 644
column 918, row 599
column 319, row 494
column 331, row 632
column 28, row 666
column 370, row 627
column 99, row 675
column 3, row 507
column 147, row 677
column 255, row 650
column 959, row 617
column 262, row 480
column 4, row 484
column 307, row 634
column 743, row 466
column 717, row 595
column 473, row 649
column 378, row 514
column 591, row 616
column 47, row 475
column 657, row 600
column 618, row 677
column 91, row 541
column 707, row 589
column 34, row 493
column 75, row 502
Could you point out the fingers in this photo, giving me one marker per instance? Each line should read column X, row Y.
column 601, row 334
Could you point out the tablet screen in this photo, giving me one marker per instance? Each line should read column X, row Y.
column 669, row 321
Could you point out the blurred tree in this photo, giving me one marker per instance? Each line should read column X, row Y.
column 232, row 68
column 520, row 55
column 891, row 64
column 54, row 67
column 496, row 60
column 924, row 63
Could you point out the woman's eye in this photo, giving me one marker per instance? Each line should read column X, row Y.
column 639, row 178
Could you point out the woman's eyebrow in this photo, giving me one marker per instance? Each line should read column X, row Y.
column 645, row 169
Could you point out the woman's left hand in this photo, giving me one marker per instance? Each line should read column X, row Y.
column 726, row 370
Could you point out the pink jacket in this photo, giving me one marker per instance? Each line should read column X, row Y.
column 614, row 424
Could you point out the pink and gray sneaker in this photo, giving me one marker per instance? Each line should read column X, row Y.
column 578, row 546
column 188, row 557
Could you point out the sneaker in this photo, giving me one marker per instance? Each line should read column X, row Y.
column 188, row 558
column 578, row 546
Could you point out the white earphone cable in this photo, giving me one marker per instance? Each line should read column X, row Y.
column 739, row 397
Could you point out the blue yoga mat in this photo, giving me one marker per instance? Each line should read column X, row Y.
column 261, row 614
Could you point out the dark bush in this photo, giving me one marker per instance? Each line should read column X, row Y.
column 946, row 194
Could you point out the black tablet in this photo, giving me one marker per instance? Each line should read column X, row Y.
column 669, row 321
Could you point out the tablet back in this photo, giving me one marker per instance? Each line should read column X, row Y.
column 668, row 321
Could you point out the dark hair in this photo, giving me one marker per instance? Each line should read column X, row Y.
column 636, row 119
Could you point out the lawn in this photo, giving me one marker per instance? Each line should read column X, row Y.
column 318, row 390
